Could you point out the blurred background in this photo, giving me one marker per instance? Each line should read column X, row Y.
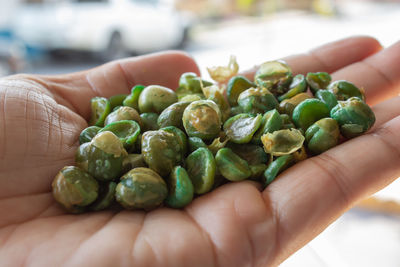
column 60, row 36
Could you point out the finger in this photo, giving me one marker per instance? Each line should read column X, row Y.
column 312, row 194
column 385, row 111
column 378, row 74
column 330, row 57
column 118, row 77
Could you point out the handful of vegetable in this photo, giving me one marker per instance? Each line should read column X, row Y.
column 159, row 146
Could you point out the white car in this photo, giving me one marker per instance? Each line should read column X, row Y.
column 108, row 27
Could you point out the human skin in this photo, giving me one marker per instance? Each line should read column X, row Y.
column 235, row 225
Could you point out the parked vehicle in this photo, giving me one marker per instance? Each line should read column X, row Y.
column 110, row 28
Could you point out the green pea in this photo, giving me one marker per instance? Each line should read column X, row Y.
column 201, row 168
column 308, row 112
column 236, row 110
column 172, row 115
column 195, row 143
column 274, row 75
column 241, row 128
column 318, row 80
column 253, row 154
column 191, row 98
column 327, row 97
column 236, row 85
column 354, row 117
column 276, row 167
column 282, row 142
column 271, row 121
column 190, row 83
column 132, row 100
column 74, row 189
column 161, row 151
column 105, row 198
column 88, row 133
column 82, row 156
column 105, row 156
column 132, row 161
column 231, row 166
column 297, row 86
column 101, row 107
column 343, row 90
column 216, row 94
column 322, row 135
column 257, row 100
column 287, row 122
column 257, row 171
column 217, row 144
column 123, row 113
column 181, row 137
column 202, row 119
column 288, row 105
column 117, row 100
column 141, row 188
column 156, row 98
column 127, row 131
column 149, row 121
column 180, row 188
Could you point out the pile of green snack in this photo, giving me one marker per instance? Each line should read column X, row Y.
column 158, row 146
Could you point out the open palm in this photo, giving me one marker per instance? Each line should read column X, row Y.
column 236, row 225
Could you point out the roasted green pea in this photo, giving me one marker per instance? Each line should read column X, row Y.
column 161, row 151
column 257, row 171
column 106, row 197
column 192, row 97
column 253, row 154
column 141, row 188
column 190, row 83
column 308, row 112
column 288, row 105
column 132, row 161
column 74, row 189
column 123, row 113
column 195, row 143
column 276, row 167
column 216, row 94
column 322, row 135
column 149, row 121
column 180, row 188
column 201, row 168
column 82, row 156
column 354, row 117
column 274, row 75
column 180, row 135
column 257, row 100
column 88, row 133
column 117, row 100
column 217, row 144
column 156, row 98
column 298, row 85
column 231, row 166
column 282, row 142
column 241, row 128
column 105, row 156
column 236, row 86
column 343, row 90
column 327, row 97
column 132, row 100
column 172, row 115
column 202, row 119
column 287, row 122
column 101, row 107
column 318, row 80
column 271, row 121
column 127, row 131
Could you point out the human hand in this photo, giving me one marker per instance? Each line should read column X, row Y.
column 235, row 225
